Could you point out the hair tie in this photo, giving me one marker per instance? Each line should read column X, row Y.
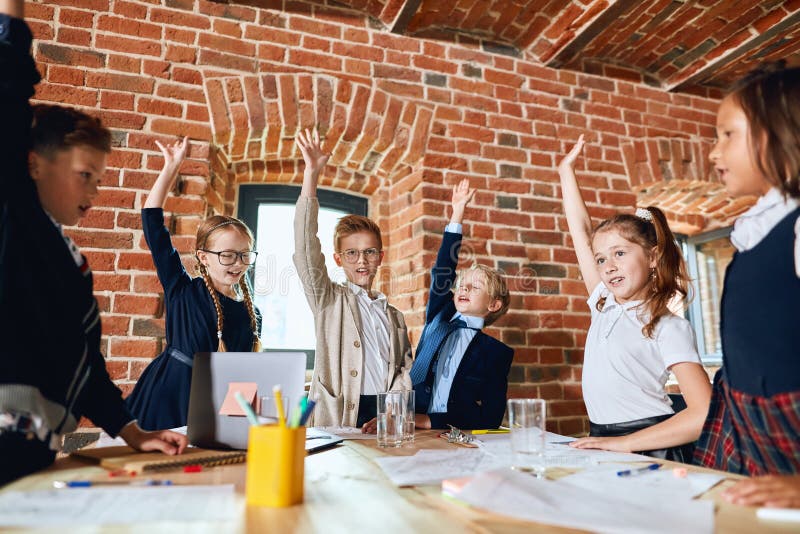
column 644, row 214
column 219, row 334
column 219, row 226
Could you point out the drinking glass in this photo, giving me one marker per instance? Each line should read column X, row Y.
column 526, row 417
column 390, row 418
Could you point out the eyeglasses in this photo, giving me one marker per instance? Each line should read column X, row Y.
column 351, row 255
column 228, row 257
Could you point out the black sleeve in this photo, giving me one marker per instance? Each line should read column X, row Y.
column 18, row 75
column 101, row 400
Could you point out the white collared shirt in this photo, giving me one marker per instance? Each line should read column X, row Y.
column 374, row 340
column 450, row 356
column 754, row 224
column 624, row 372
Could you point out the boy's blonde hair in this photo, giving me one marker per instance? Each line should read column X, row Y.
column 353, row 224
column 496, row 288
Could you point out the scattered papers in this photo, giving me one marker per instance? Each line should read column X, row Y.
column 557, row 453
column 656, row 485
column 494, row 451
column 117, row 505
column 522, row 496
column 347, row 432
column 433, row 466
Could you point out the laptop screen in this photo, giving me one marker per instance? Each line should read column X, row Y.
column 215, row 421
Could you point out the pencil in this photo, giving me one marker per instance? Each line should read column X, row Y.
column 276, row 390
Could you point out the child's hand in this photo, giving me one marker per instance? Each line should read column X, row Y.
column 165, row 441
column 616, row 444
column 370, row 427
column 311, row 149
column 174, row 153
column 462, row 194
column 774, row 491
column 569, row 160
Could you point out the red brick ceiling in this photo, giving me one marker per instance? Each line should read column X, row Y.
column 697, row 46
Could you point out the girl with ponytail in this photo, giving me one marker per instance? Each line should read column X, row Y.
column 633, row 270
column 213, row 312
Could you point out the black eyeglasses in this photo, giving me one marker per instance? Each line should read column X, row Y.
column 228, row 257
column 351, row 255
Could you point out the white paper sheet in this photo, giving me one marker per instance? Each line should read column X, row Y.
column 650, row 486
column 433, row 466
column 494, row 451
column 103, row 505
column 522, row 496
column 557, row 452
column 347, row 432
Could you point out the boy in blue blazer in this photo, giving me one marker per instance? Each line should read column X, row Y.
column 460, row 374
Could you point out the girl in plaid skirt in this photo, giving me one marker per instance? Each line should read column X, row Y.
column 753, row 425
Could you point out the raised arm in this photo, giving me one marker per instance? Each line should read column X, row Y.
column 18, row 75
column 578, row 220
column 174, row 154
column 462, row 195
column 13, row 8
column 314, row 158
column 308, row 257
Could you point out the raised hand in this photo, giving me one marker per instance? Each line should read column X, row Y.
column 569, row 159
column 174, row 153
column 309, row 144
column 462, row 195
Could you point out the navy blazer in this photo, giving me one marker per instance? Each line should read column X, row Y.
column 478, row 393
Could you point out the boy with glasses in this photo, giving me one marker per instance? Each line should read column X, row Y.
column 362, row 341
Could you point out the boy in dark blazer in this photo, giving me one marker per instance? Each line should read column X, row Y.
column 460, row 374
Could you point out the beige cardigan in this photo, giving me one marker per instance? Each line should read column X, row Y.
column 339, row 359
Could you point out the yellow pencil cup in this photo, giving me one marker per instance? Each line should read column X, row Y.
column 275, row 461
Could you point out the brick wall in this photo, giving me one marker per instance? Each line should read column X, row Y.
column 404, row 118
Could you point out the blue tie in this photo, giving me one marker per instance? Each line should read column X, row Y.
column 432, row 345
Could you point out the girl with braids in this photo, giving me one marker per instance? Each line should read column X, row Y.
column 213, row 312
column 633, row 269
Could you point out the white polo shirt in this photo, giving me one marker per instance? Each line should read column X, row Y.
column 374, row 339
column 624, row 372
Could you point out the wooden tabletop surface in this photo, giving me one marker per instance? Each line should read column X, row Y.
column 347, row 492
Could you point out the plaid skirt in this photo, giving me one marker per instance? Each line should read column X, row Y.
column 748, row 434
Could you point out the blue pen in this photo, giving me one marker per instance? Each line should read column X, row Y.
column 59, row 484
column 309, row 408
column 638, row 470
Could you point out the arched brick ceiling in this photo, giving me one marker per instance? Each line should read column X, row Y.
column 697, row 46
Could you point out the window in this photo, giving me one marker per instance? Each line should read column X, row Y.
column 707, row 256
column 269, row 212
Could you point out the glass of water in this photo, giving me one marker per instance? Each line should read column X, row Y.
column 390, row 418
column 408, row 416
column 526, row 417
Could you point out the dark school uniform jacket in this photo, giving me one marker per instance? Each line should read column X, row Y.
column 50, row 361
column 478, row 392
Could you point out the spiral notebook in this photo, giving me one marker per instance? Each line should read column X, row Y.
column 127, row 459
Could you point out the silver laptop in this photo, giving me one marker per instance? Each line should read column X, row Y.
column 213, row 372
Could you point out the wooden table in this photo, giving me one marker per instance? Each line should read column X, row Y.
column 346, row 492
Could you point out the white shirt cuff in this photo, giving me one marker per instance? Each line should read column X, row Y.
column 453, row 228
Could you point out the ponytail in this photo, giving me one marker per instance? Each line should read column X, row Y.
column 244, row 285
column 217, row 306
column 669, row 277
